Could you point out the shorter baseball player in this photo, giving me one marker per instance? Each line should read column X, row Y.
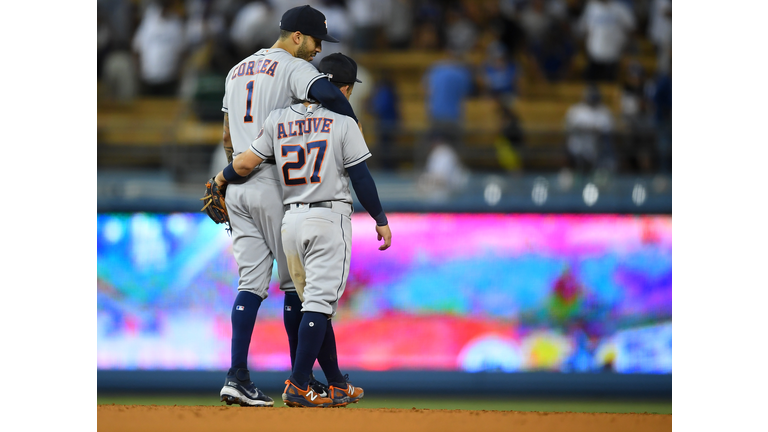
column 318, row 153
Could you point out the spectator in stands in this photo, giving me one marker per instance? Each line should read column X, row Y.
column 121, row 83
column 606, row 26
column 428, row 11
column 444, row 173
column 337, row 16
column 205, row 22
column 253, row 27
column 636, row 116
column 428, row 25
column 205, row 26
column 448, row 83
column 120, row 17
column 558, row 10
column 589, row 125
column 461, row 33
column 553, row 55
column 223, row 51
column 536, row 22
column 503, row 20
column 573, row 10
column 103, row 42
column 384, row 106
column 662, row 98
column 362, row 94
column 499, row 75
column 660, row 32
column 116, row 70
column 161, row 47
column 399, row 28
column 426, row 37
column 366, row 18
column 510, row 139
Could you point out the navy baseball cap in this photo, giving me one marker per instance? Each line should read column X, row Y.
column 307, row 20
column 339, row 68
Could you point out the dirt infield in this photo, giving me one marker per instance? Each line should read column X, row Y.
column 147, row 418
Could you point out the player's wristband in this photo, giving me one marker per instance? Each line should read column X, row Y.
column 381, row 219
column 231, row 175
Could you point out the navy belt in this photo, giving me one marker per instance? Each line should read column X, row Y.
column 326, row 204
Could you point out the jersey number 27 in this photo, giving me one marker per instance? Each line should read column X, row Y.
column 301, row 160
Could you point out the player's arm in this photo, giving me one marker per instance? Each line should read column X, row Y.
column 239, row 168
column 245, row 162
column 227, row 139
column 365, row 189
column 331, row 97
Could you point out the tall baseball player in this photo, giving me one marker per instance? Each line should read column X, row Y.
column 269, row 79
column 318, row 153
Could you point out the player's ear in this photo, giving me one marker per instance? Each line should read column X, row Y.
column 296, row 37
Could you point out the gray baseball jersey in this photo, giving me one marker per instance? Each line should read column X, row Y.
column 313, row 146
column 259, row 84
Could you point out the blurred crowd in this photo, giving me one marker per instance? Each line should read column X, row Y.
column 178, row 48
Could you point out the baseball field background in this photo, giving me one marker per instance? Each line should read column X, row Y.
column 482, row 312
column 460, row 292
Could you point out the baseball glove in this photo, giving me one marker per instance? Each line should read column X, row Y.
column 215, row 207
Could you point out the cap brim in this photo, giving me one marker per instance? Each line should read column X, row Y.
column 357, row 80
column 327, row 38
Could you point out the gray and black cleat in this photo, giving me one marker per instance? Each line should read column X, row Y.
column 239, row 389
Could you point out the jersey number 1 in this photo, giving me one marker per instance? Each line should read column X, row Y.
column 301, row 161
column 248, row 118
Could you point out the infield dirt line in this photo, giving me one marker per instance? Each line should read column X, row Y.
column 147, row 418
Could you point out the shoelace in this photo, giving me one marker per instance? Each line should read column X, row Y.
column 318, row 385
column 350, row 388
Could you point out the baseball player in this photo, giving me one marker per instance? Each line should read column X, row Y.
column 318, row 153
column 269, row 79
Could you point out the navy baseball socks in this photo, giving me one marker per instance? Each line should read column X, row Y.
column 311, row 335
column 238, row 387
column 339, row 389
column 327, row 357
column 292, row 320
column 244, row 312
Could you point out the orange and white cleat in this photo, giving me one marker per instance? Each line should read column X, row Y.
column 343, row 396
column 293, row 396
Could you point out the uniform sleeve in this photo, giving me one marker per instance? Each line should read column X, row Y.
column 262, row 146
column 302, row 76
column 353, row 144
column 224, row 102
column 331, row 97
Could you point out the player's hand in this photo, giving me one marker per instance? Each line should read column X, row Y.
column 219, row 179
column 386, row 234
